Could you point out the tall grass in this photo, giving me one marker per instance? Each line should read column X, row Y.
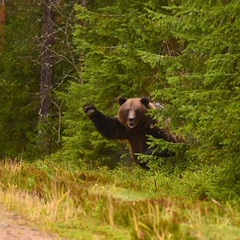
column 123, row 204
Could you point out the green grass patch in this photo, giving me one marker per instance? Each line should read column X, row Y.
column 126, row 203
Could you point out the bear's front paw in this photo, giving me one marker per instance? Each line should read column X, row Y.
column 89, row 109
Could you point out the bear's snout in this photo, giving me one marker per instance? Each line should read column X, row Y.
column 131, row 122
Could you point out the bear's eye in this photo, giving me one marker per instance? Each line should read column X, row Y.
column 137, row 112
column 126, row 113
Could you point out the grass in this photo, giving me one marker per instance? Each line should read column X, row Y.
column 121, row 204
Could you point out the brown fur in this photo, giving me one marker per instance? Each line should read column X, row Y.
column 133, row 124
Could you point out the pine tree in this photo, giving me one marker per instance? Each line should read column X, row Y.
column 203, row 79
column 111, row 39
column 183, row 53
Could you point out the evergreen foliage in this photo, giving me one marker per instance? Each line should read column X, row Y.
column 183, row 53
column 203, row 81
column 109, row 38
column 18, row 80
column 20, row 75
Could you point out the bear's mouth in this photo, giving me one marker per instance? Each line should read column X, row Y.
column 132, row 124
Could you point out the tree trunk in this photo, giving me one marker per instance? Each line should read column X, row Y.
column 47, row 64
column 3, row 19
column 47, row 74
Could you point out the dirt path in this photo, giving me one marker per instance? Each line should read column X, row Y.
column 14, row 227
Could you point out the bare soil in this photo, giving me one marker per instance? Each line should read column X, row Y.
column 14, row 227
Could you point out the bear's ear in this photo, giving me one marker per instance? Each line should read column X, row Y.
column 145, row 101
column 121, row 100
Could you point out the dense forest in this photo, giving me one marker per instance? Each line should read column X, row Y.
column 56, row 56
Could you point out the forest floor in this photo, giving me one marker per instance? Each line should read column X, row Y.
column 15, row 227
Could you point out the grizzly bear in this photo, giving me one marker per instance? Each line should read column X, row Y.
column 134, row 124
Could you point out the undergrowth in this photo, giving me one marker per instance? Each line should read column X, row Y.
column 125, row 203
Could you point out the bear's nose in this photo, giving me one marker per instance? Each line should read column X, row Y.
column 131, row 122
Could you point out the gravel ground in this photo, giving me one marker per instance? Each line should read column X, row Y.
column 14, row 227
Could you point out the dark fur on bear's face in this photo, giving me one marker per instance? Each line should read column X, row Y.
column 133, row 112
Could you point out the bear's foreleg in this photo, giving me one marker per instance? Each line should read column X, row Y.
column 108, row 127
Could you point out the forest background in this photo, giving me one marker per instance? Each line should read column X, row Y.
column 58, row 55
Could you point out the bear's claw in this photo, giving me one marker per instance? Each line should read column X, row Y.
column 89, row 109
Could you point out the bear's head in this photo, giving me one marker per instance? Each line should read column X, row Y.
column 133, row 112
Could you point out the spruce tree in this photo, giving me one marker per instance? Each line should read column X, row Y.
column 185, row 54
